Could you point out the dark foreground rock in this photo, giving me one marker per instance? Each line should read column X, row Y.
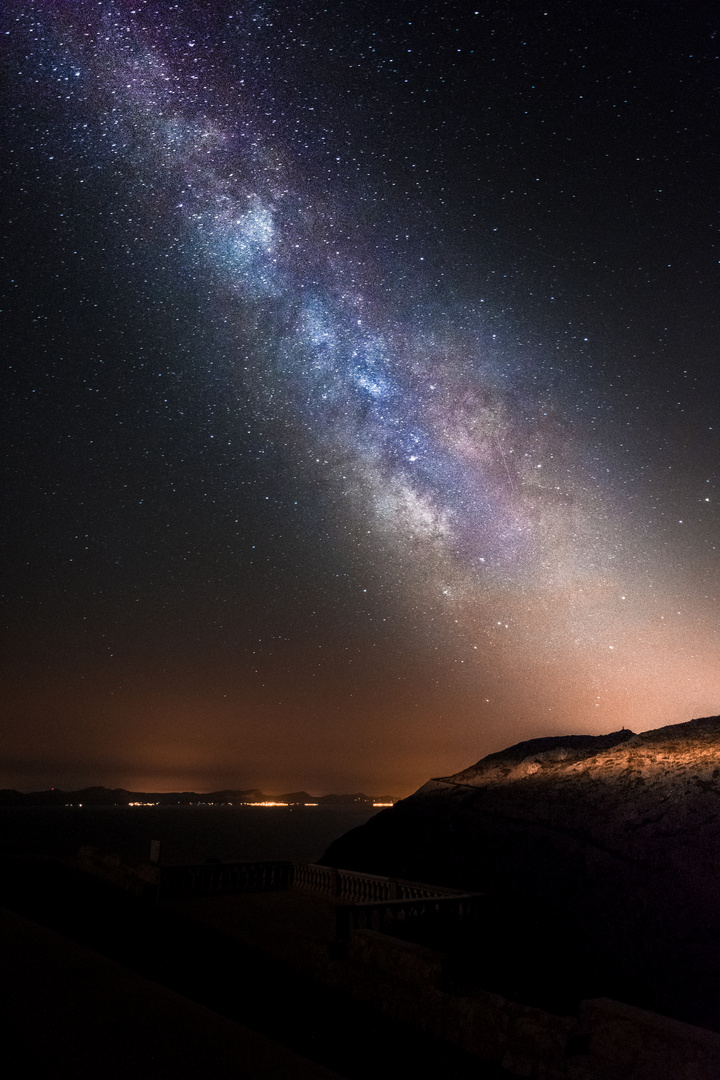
column 601, row 856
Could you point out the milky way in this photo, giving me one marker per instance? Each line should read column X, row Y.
column 504, row 528
column 444, row 457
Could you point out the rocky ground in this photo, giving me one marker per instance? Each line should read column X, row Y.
column 601, row 856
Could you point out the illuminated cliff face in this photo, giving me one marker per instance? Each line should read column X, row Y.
column 651, row 797
column 678, row 755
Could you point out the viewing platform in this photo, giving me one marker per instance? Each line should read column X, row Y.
column 407, row 909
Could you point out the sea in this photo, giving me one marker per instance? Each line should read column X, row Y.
column 187, row 834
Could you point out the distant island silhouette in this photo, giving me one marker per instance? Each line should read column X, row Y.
column 102, row 796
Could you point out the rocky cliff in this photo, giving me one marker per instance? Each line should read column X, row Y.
column 600, row 856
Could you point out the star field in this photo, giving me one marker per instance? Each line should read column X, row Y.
column 362, row 409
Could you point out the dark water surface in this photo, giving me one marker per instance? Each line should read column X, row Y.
column 186, row 833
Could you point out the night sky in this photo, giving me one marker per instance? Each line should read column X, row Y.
column 361, row 409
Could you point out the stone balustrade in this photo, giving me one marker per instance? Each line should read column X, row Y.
column 380, row 901
column 309, row 877
column 364, row 888
column 342, row 884
column 410, row 918
column 354, row 886
column 206, row 879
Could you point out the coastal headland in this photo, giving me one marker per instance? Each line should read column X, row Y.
column 548, row 912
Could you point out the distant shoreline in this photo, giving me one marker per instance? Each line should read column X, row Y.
column 101, row 796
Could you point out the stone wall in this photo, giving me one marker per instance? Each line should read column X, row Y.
column 607, row 1040
column 645, row 1046
column 141, row 880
